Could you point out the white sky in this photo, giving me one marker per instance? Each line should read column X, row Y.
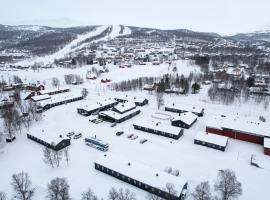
column 221, row 16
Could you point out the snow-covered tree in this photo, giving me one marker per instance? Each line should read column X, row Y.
column 21, row 185
column 58, row 189
column 89, row 195
column 202, row 192
column 227, row 185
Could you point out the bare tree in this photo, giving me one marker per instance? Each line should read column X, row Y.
column 21, row 184
column 160, row 99
column 8, row 115
column 89, row 195
column 17, row 79
column 202, row 192
column 169, row 188
column 121, row 194
column 48, row 156
column 113, row 194
column 66, row 155
column 58, row 189
column 57, row 157
column 84, row 92
column 3, row 196
column 227, row 185
column 55, row 82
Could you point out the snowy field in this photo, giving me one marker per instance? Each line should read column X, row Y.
column 195, row 163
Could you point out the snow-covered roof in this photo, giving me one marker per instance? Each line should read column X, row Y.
column 141, row 172
column 52, row 90
column 155, row 125
column 185, row 107
column 49, row 137
column 116, row 115
column 266, row 143
column 99, row 104
column 212, row 138
column 131, row 98
column 187, row 117
column 243, row 124
column 214, row 122
column 40, row 97
column 59, row 98
column 123, row 107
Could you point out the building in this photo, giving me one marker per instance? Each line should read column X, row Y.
column 42, row 97
column 247, row 129
column 266, row 145
column 58, row 100
column 124, row 107
column 96, row 107
column 142, row 176
column 35, row 87
column 159, row 129
column 184, row 120
column 210, row 140
column 6, row 104
column 50, row 140
column 115, row 117
column 54, row 91
column 137, row 100
column 199, row 111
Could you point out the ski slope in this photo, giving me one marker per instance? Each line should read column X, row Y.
column 64, row 51
column 75, row 43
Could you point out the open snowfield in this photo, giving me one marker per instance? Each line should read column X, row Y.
column 195, row 163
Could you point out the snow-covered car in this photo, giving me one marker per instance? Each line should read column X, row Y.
column 134, row 137
column 118, row 133
column 70, row 134
column 143, row 141
column 77, row 136
column 130, row 136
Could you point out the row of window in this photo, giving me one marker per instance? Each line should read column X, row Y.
column 123, row 177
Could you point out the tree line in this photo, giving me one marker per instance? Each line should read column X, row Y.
column 226, row 186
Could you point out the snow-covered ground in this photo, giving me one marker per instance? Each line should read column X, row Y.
column 195, row 163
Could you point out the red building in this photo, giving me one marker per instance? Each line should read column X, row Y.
column 266, row 146
column 245, row 129
column 35, row 87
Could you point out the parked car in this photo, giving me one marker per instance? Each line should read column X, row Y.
column 130, row 136
column 77, row 136
column 118, row 133
column 114, row 124
column 97, row 121
column 134, row 137
column 70, row 134
column 143, row 141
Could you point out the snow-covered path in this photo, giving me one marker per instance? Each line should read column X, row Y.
column 62, row 52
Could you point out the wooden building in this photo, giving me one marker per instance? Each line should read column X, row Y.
column 247, row 129
column 38, row 98
column 142, row 176
column 266, row 145
column 115, row 117
column 50, row 140
column 54, row 91
column 57, row 101
column 159, row 129
column 137, row 100
column 35, row 87
column 184, row 120
column 212, row 141
column 199, row 111
column 96, row 107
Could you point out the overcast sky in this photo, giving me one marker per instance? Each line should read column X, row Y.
column 221, row 16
